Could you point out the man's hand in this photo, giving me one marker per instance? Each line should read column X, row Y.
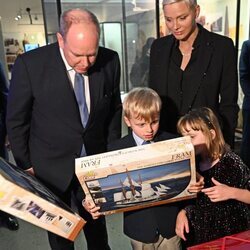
column 182, row 226
column 7, row 143
column 92, row 209
column 30, row 171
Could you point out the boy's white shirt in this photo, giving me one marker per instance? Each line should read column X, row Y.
column 137, row 139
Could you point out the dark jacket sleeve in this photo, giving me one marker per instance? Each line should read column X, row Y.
column 3, row 103
column 19, row 112
column 244, row 68
column 228, row 107
column 114, row 129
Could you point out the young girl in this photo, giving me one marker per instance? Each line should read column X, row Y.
column 211, row 218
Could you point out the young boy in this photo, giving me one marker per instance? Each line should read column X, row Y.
column 154, row 227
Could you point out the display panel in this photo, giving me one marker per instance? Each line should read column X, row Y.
column 23, row 196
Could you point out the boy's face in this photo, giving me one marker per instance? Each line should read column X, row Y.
column 143, row 129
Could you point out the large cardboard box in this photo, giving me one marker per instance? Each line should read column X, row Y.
column 23, row 196
column 138, row 177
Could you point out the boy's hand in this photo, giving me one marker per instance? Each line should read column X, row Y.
column 92, row 209
column 197, row 187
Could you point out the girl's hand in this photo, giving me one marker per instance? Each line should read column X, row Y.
column 197, row 187
column 182, row 226
column 219, row 192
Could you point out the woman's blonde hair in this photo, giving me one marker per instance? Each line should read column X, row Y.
column 204, row 119
column 142, row 103
column 191, row 3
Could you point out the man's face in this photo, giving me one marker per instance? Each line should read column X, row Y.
column 80, row 46
column 143, row 129
column 180, row 19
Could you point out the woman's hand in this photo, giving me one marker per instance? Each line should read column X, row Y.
column 182, row 226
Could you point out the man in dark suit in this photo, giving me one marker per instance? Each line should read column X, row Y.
column 46, row 126
column 6, row 219
column 244, row 69
column 154, row 227
column 192, row 68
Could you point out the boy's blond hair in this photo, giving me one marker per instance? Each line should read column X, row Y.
column 204, row 119
column 142, row 103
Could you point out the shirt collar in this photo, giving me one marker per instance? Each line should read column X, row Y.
column 137, row 139
column 68, row 67
column 197, row 40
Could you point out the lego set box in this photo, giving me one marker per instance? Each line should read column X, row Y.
column 23, row 196
column 138, row 177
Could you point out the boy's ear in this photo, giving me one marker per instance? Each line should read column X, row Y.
column 126, row 120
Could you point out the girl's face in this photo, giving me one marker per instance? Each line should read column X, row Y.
column 198, row 139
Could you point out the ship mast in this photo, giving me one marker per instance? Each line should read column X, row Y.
column 123, row 190
column 132, row 187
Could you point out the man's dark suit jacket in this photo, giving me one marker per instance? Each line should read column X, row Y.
column 144, row 225
column 43, row 120
column 3, row 103
column 244, row 69
column 215, row 84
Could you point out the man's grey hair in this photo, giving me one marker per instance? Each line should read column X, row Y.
column 85, row 16
column 190, row 3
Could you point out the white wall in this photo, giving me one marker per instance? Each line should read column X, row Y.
column 22, row 29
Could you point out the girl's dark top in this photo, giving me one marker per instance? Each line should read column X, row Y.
column 212, row 220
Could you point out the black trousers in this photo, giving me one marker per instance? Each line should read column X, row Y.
column 95, row 230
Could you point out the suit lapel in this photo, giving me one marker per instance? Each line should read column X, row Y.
column 164, row 55
column 130, row 140
column 96, row 84
column 202, row 64
column 64, row 104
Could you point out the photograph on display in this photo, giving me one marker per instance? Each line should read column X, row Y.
column 23, row 196
column 137, row 177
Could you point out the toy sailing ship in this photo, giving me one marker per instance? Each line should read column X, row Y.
column 138, row 191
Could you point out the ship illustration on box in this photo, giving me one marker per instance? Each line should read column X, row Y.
column 138, row 191
column 141, row 187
